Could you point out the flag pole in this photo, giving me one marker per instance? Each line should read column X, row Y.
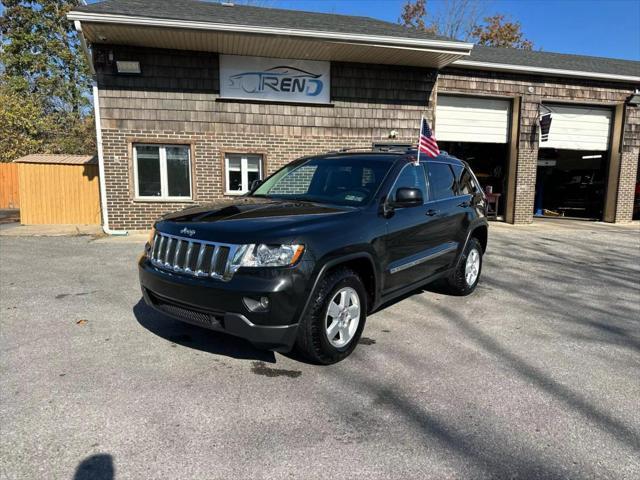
column 417, row 162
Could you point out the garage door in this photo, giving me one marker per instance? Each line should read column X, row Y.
column 578, row 128
column 470, row 119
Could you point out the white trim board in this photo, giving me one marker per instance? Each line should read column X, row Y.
column 544, row 71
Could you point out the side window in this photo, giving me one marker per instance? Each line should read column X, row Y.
column 411, row 176
column 441, row 180
column 466, row 184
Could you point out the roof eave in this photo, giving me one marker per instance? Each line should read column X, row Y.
column 460, row 48
column 503, row 67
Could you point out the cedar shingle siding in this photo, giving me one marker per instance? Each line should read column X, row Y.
column 176, row 99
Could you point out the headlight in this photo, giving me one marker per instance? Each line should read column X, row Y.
column 263, row 255
column 152, row 234
column 149, row 245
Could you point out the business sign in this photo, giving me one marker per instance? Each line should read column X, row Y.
column 274, row 79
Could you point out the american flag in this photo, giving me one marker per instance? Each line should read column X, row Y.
column 427, row 142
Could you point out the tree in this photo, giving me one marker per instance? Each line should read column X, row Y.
column 456, row 19
column 499, row 32
column 42, row 65
column 460, row 19
column 22, row 124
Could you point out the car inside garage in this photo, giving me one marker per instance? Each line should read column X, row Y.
column 476, row 129
column 573, row 162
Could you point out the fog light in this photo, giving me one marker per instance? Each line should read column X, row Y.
column 254, row 305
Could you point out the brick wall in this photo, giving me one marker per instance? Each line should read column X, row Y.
column 628, row 164
column 177, row 98
column 548, row 89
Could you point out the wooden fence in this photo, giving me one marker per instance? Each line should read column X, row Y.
column 9, row 197
column 59, row 194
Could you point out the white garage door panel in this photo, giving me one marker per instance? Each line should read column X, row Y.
column 469, row 119
column 578, row 128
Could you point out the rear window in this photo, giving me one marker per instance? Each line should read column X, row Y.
column 441, row 180
column 466, row 183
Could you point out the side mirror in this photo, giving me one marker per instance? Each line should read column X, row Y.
column 254, row 185
column 408, row 197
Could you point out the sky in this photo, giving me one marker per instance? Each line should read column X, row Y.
column 602, row 28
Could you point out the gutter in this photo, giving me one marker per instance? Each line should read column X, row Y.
column 85, row 48
column 544, row 71
column 103, row 181
column 461, row 48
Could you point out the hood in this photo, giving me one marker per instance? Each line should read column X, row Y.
column 251, row 219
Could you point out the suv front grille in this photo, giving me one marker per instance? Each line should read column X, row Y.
column 192, row 257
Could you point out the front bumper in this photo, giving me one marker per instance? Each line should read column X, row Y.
column 219, row 305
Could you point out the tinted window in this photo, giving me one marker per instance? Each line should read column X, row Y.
column 441, row 180
column 466, row 184
column 411, row 176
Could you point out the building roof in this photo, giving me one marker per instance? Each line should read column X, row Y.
column 59, row 159
column 339, row 30
column 229, row 13
column 551, row 61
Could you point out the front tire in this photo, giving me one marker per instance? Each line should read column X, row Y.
column 333, row 324
column 465, row 277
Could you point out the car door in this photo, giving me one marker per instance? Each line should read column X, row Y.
column 448, row 212
column 408, row 242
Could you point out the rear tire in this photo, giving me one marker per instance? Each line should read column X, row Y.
column 333, row 323
column 466, row 276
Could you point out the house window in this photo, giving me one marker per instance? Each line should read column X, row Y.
column 162, row 172
column 240, row 171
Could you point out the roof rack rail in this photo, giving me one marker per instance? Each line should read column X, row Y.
column 378, row 148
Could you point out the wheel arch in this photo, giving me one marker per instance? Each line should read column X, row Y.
column 362, row 263
column 481, row 232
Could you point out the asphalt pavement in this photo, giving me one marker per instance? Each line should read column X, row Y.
column 536, row 375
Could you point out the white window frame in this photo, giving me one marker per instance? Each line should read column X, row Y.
column 244, row 171
column 164, row 183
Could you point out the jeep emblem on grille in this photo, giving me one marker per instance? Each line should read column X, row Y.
column 188, row 231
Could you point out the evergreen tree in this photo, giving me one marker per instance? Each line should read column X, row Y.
column 43, row 64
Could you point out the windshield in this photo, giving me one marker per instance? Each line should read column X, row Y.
column 340, row 181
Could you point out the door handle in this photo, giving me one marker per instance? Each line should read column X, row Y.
column 465, row 204
column 431, row 212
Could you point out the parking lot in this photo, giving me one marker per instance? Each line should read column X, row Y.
column 536, row 375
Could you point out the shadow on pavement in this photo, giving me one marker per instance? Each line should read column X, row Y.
column 196, row 337
column 96, row 467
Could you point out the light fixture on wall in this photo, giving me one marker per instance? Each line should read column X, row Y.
column 634, row 99
column 128, row 67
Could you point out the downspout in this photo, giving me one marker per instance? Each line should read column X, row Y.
column 103, row 182
column 85, row 48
